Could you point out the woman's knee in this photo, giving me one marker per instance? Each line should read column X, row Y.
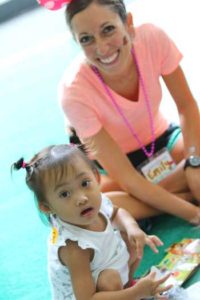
column 108, row 184
column 109, row 280
column 195, row 190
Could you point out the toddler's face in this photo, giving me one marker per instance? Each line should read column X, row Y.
column 76, row 197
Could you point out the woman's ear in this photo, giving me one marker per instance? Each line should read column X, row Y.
column 44, row 208
column 129, row 19
column 130, row 25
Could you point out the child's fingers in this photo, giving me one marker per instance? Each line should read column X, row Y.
column 163, row 279
column 159, row 289
column 162, row 289
column 156, row 240
column 160, row 281
column 151, row 275
column 152, row 245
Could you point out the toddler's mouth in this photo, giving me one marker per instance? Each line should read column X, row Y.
column 86, row 211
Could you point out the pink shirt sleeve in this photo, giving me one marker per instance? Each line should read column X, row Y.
column 81, row 114
column 166, row 54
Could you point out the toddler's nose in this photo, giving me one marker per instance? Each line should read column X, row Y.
column 82, row 199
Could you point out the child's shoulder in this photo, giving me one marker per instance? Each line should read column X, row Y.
column 106, row 206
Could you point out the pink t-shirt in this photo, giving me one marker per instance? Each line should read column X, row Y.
column 88, row 107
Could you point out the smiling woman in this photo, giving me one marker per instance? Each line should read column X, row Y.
column 113, row 103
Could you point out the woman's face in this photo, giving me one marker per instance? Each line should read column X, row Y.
column 104, row 38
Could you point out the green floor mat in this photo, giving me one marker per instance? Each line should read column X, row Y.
column 170, row 230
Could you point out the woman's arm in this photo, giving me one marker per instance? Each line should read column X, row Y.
column 187, row 108
column 190, row 123
column 108, row 153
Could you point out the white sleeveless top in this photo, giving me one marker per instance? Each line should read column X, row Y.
column 110, row 252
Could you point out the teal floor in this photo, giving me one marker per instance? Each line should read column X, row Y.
column 31, row 62
column 170, row 229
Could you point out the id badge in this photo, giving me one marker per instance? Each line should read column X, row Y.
column 158, row 167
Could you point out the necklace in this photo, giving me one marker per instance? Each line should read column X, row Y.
column 147, row 102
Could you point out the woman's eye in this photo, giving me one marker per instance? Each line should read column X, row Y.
column 86, row 183
column 108, row 29
column 85, row 40
column 64, row 194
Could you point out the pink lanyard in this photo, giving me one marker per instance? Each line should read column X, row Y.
column 147, row 101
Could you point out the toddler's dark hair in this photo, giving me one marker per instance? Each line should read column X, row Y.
column 50, row 165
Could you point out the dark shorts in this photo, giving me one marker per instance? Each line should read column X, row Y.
column 167, row 140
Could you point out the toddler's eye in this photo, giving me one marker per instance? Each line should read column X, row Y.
column 86, row 183
column 64, row 194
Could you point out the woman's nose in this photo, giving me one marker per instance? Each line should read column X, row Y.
column 101, row 46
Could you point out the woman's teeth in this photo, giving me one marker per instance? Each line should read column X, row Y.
column 110, row 59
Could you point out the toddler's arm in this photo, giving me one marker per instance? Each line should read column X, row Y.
column 137, row 237
column 78, row 262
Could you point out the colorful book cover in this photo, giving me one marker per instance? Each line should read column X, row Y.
column 181, row 260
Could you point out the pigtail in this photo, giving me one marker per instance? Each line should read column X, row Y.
column 20, row 164
column 73, row 137
column 74, row 140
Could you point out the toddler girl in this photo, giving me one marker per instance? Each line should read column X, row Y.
column 87, row 257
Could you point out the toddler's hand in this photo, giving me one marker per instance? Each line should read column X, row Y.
column 138, row 239
column 153, row 242
column 149, row 286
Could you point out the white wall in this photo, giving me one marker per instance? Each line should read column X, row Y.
column 181, row 20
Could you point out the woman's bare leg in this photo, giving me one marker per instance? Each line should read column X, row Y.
column 175, row 183
column 138, row 209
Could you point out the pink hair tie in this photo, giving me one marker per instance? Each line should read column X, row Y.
column 24, row 165
column 53, row 4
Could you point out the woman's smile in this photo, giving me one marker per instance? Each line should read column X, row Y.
column 109, row 60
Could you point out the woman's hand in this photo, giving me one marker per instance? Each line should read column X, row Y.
column 149, row 286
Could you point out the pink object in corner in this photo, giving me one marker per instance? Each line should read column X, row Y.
column 53, row 4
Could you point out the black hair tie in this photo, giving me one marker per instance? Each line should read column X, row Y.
column 20, row 164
